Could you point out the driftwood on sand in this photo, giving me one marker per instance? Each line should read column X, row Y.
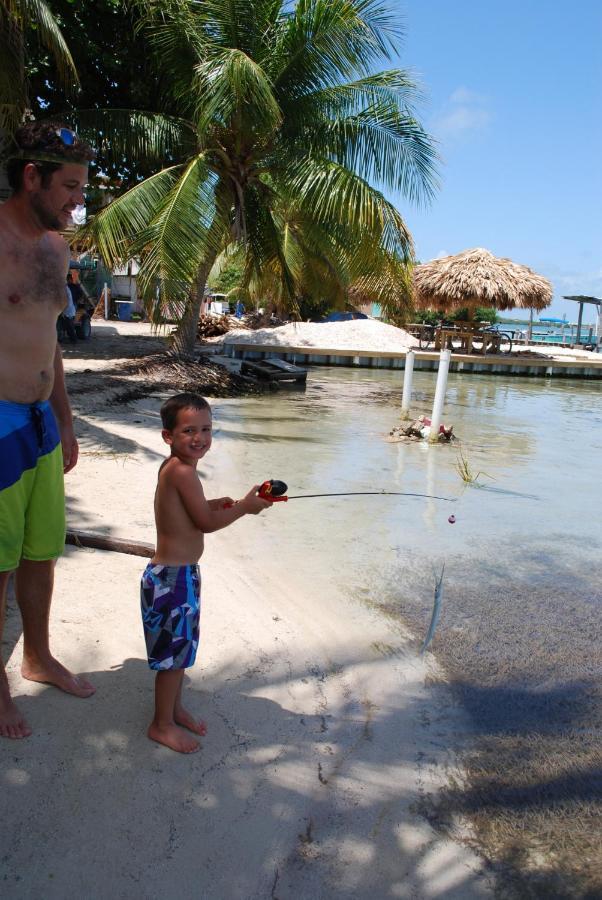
column 100, row 542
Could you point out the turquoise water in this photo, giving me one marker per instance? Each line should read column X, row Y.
column 522, row 559
column 537, row 445
column 550, row 334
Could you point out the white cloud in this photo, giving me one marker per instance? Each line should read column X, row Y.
column 575, row 281
column 464, row 95
column 464, row 112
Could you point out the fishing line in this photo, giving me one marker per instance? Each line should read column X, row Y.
column 275, row 491
column 372, row 494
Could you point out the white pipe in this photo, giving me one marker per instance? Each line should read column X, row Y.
column 530, row 328
column 440, row 389
column 406, row 397
column 105, row 291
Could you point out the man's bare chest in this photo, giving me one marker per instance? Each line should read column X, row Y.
column 31, row 275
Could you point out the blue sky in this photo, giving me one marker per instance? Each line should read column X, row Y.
column 513, row 96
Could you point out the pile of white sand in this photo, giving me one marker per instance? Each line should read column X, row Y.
column 356, row 334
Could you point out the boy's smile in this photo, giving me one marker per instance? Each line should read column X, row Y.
column 191, row 437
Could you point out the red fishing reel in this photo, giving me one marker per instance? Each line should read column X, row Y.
column 273, row 490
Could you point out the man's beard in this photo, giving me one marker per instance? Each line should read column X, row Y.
column 49, row 220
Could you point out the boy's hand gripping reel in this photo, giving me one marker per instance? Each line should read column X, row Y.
column 272, row 490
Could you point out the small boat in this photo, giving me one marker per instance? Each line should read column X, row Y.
column 273, row 370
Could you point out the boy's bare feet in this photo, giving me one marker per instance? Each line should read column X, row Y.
column 173, row 737
column 12, row 723
column 187, row 720
column 54, row 673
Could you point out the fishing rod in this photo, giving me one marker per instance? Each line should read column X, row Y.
column 275, row 491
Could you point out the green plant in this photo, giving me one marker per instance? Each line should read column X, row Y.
column 434, row 316
column 426, row 316
column 465, row 472
column 281, row 135
column 18, row 19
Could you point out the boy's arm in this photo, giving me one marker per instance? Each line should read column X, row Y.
column 199, row 510
column 220, row 502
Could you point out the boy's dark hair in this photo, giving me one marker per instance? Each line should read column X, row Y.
column 171, row 408
column 41, row 143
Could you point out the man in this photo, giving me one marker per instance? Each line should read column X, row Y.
column 47, row 174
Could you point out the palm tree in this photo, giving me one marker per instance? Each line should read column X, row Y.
column 17, row 17
column 279, row 136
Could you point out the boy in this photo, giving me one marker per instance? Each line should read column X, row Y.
column 170, row 588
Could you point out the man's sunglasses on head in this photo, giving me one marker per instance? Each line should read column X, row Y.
column 66, row 135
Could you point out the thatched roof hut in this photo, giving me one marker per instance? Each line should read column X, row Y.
column 478, row 278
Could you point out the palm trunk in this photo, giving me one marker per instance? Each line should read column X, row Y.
column 184, row 338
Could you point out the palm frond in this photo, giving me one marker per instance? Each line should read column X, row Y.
column 325, row 41
column 131, row 134
column 171, row 29
column 232, row 86
column 338, row 196
column 238, row 24
column 387, row 145
column 12, row 74
column 114, row 230
column 17, row 17
column 38, row 12
column 268, row 256
column 392, row 86
column 184, row 233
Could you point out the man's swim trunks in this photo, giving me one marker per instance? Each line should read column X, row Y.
column 170, row 600
column 32, row 497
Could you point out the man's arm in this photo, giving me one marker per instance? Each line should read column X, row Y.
column 62, row 410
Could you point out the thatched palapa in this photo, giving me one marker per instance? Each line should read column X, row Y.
column 478, row 278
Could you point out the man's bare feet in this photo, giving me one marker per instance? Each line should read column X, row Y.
column 173, row 737
column 187, row 720
column 12, row 723
column 55, row 673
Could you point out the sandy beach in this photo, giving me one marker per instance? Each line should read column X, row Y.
column 323, row 735
column 371, row 334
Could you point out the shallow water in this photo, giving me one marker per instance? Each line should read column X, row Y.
column 519, row 634
column 537, row 445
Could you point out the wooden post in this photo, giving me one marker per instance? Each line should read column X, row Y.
column 579, row 320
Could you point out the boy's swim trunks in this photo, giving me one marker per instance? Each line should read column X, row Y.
column 32, row 498
column 170, row 600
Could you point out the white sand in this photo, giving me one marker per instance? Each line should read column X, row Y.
column 369, row 334
column 323, row 736
column 549, row 352
column 357, row 334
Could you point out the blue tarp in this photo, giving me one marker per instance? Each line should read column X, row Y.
column 344, row 316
